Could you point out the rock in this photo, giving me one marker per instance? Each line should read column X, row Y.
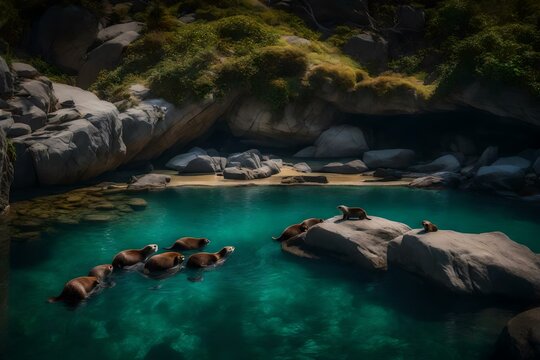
column 520, row 338
column 499, row 177
column 446, row 163
column 272, row 165
column 187, row 18
column 137, row 203
column 202, row 164
column 368, row 49
column 302, row 167
column 24, row 70
column 409, row 18
column 149, row 181
column 363, row 242
column 307, row 152
column 99, row 218
column 536, row 166
column 391, row 158
column 63, row 115
column 340, row 141
column 6, row 79
column 64, row 34
column 139, row 91
column 18, row 129
column 352, row 167
column 104, row 57
column 249, row 159
column 6, row 171
column 138, row 124
column 41, row 94
column 6, row 121
column 179, row 162
column 388, row 174
column 296, row 40
column 303, row 179
column 26, row 112
column 486, row 264
column 113, row 31
column 516, row 161
column 235, row 173
column 437, row 181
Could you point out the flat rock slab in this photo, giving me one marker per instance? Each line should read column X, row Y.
column 487, row 263
column 363, row 242
column 137, row 203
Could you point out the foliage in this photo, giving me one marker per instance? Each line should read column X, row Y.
column 343, row 77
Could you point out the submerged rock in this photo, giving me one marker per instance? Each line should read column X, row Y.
column 486, row 264
column 391, row 158
column 363, row 242
column 520, row 338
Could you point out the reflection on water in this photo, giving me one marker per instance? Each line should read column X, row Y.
column 262, row 303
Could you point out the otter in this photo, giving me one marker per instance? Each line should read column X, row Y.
column 133, row 256
column 163, row 262
column 188, row 243
column 351, row 212
column 80, row 288
column 290, row 232
column 311, row 222
column 202, row 260
column 429, row 226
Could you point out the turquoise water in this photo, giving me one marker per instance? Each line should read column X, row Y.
column 262, row 303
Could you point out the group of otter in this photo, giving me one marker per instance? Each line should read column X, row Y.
column 349, row 213
column 80, row 288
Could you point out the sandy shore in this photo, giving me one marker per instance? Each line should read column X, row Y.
column 333, row 179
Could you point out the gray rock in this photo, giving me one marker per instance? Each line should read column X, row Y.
column 488, row 157
column 249, row 159
column 520, row 338
column 296, row 40
column 447, row 163
column 302, row 167
column 6, row 121
column 6, row 79
column 149, row 181
column 139, row 91
column 352, row 167
column 303, row 179
column 499, row 177
column 487, row 263
column 24, row 70
column 437, row 181
column 235, row 173
column 104, row 57
column 307, row 152
column 273, row 166
column 41, row 94
column 363, row 242
column 138, row 124
column 18, row 129
column 340, row 141
column 63, row 115
column 202, row 164
column 113, row 31
column 64, row 34
column 517, row 161
column 391, row 158
column 536, row 166
column 26, row 112
column 263, row 172
column 409, row 18
column 179, row 162
column 367, row 49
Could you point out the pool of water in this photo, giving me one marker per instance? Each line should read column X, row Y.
column 262, row 303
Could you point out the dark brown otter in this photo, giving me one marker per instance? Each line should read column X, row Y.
column 163, row 262
column 311, row 222
column 202, row 260
column 291, row 231
column 101, row 271
column 188, row 243
column 133, row 256
column 76, row 290
column 429, row 226
column 352, row 212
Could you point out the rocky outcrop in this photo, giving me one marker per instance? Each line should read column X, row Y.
column 363, row 242
column 487, row 263
column 520, row 338
column 247, row 166
column 391, row 158
column 6, row 171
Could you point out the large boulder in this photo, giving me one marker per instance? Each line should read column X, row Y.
column 179, row 162
column 23, row 70
column 488, row 157
column 391, row 158
column 149, row 181
column 499, row 177
column 516, row 161
column 302, row 167
column 236, row 173
column 106, row 56
column 248, row 159
column 340, row 141
column 203, row 164
column 18, row 129
column 368, row 49
column 363, row 242
column 25, row 111
column 6, row 79
column 6, row 171
column 352, row 167
column 487, row 263
column 63, row 35
column 520, row 338
column 448, row 163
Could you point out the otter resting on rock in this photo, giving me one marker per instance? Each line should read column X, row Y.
column 202, row 260
column 429, row 226
column 291, row 231
column 311, row 222
column 80, row 288
column 352, row 212
column 133, row 256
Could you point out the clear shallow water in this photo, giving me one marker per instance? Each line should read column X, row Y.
column 262, row 303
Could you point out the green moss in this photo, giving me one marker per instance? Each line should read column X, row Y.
column 341, row 76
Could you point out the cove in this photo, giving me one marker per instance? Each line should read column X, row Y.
column 262, row 303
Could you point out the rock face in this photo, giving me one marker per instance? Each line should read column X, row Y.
column 392, row 158
column 63, row 35
column 367, row 49
column 487, row 264
column 6, row 171
column 340, row 141
column 447, row 163
column 520, row 338
column 363, row 242
column 499, row 177
column 352, row 167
